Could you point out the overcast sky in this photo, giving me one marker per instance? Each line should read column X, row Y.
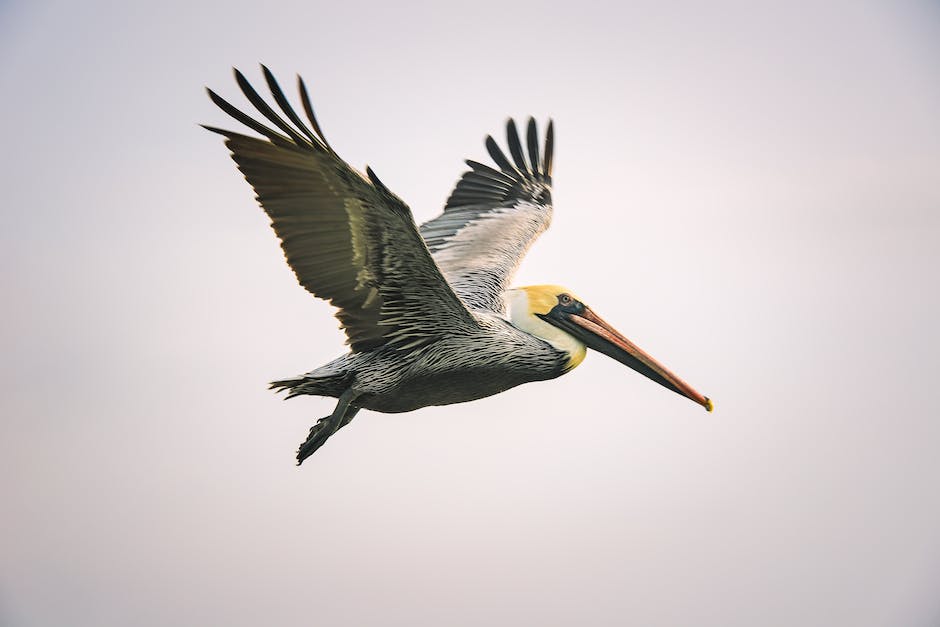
column 749, row 191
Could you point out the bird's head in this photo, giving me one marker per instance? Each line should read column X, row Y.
column 556, row 315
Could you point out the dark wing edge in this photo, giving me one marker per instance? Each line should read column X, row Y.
column 348, row 238
column 529, row 181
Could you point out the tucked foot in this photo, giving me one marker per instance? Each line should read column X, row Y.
column 325, row 427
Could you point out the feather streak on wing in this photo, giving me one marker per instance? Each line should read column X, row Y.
column 347, row 238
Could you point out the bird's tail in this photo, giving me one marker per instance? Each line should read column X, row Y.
column 332, row 384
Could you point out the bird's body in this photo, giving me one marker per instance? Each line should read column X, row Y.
column 428, row 311
column 460, row 367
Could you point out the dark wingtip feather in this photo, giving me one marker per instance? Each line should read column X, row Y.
column 484, row 186
column 492, row 173
column 308, row 109
column 272, row 135
column 375, row 179
column 515, row 145
column 265, row 109
column 245, row 86
column 392, row 200
column 284, row 104
column 215, row 129
column 223, row 104
column 532, row 136
column 497, row 155
column 549, row 148
column 218, row 100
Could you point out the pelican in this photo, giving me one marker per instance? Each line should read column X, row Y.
column 429, row 314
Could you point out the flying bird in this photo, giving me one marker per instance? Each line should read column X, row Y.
column 429, row 313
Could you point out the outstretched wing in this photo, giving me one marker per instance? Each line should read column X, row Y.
column 492, row 217
column 348, row 239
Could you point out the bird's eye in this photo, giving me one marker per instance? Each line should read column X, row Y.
column 565, row 300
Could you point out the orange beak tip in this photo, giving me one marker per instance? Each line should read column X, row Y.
column 709, row 406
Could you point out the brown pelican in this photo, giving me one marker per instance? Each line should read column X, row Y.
column 428, row 312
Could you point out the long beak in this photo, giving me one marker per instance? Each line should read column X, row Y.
column 599, row 335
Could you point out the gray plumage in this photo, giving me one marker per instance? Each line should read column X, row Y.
column 423, row 309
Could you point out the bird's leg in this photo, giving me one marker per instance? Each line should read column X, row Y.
column 325, row 427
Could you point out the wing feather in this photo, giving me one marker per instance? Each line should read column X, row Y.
column 532, row 137
column 515, row 146
column 496, row 153
column 347, row 238
column 285, row 105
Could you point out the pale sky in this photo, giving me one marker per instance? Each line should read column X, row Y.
column 747, row 190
